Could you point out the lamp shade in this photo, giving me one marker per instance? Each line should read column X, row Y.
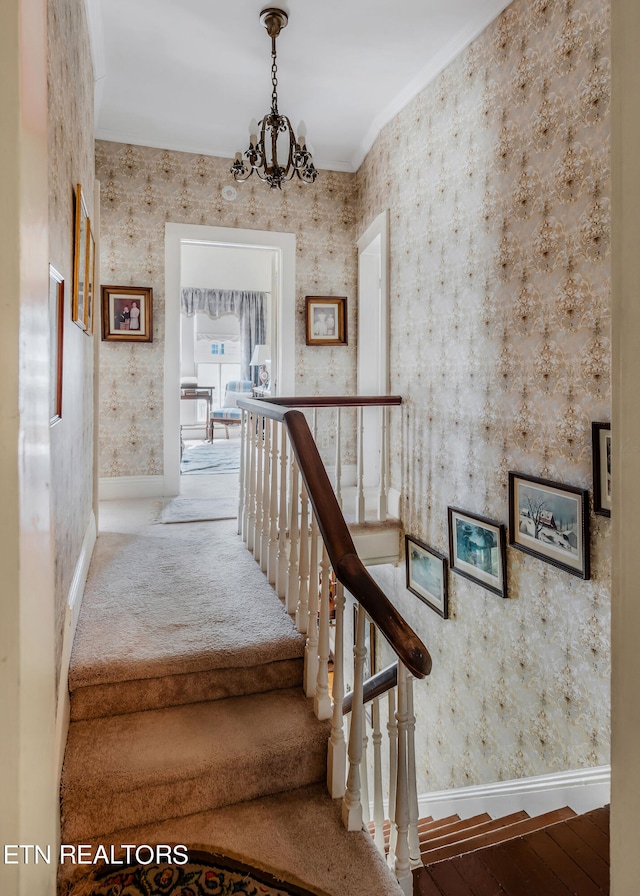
column 261, row 355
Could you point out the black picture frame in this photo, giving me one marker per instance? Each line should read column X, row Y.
column 601, row 456
column 427, row 575
column 482, row 558
column 546, row 518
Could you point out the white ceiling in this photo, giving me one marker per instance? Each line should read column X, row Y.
column 190, row 74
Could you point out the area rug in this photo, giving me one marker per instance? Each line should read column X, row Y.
column 211, row 457
column 203, row 875
column 197, row 510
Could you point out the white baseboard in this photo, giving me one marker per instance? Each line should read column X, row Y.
column 581, row 790
column 74, row 602
column 115, row 488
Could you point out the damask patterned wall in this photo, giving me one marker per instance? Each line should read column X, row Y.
column 142, row 189
column 71, row 161
column 498, row 184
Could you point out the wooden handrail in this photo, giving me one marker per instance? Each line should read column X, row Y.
column 374, row 687
column 335, row 401
column 347, row 566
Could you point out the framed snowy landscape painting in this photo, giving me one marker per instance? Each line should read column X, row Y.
column 551, row 521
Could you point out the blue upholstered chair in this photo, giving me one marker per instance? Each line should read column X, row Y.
column 230, row 414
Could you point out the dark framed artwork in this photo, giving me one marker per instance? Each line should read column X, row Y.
column 79, row 300
column 127, row 313
column 550, row 520
column 326, row 320
column 90, row 280
column 601, row 443
column 56, row 342
column 427, row 575
column 478, row 550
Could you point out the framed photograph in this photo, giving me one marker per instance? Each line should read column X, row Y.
column 551, row 521
column 478, row 550
column 78, row 304
column 56, row 341
column 326, row 320
column 90, row 280
column 127, row 313
column 427, row 575
column 601, row 441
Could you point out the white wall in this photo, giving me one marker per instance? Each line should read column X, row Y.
column 27, row 670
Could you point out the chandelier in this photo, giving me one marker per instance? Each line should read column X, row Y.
column 272, row 140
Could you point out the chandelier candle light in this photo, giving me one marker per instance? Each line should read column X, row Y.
column 274, row 131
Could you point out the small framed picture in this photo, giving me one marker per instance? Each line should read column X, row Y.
column 478, row 550
column 79, row 299
column 326, row 320
column 551, row 521
column 427, row 575
column 127, row 313
column 56, row 341
column 601, row 441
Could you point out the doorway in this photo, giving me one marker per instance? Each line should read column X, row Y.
column 373, row 335
column 187, row 248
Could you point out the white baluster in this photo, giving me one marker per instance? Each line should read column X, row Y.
column 252, row 481
column 322, row 701
column 360, row 511
column 257, row 529
column 382, row 496
column 242, row 504
column 337, row 758
column 378, row 800
column 414, row 840
column 266, row 495
column 272, row 553
column 351, row 805
column 364, row 775
column 338, row 477
column 302, row 609
column 311, row 647
column 402, row 864
column 392, row 730
column 281, row 571
column 292, row 571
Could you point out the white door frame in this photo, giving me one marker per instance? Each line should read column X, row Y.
column 284, row 330
column 373, row 334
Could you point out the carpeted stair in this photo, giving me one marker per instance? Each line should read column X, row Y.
column 189, row 723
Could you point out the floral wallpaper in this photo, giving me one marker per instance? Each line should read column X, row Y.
column 142, row 189
column 71, row 162
column 497, row 180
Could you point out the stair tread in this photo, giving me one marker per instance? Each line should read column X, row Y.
column 137, row 630
column 123, row 770
column 554, row 860
column 500, row 835
column 297, row 835
column 464, row 832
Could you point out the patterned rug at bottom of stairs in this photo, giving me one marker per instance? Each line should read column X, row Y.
column 204, row 875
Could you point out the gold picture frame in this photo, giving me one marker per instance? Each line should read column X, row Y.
column 79, row 300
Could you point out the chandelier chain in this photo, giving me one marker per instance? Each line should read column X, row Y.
column 274, row 77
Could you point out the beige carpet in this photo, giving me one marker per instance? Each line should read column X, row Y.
column 296, row 835
column 177, row 600
column 174, row 620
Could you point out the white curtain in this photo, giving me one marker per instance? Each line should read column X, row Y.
column 249, row 306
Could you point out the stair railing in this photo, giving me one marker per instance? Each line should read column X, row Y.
column 315, row 560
